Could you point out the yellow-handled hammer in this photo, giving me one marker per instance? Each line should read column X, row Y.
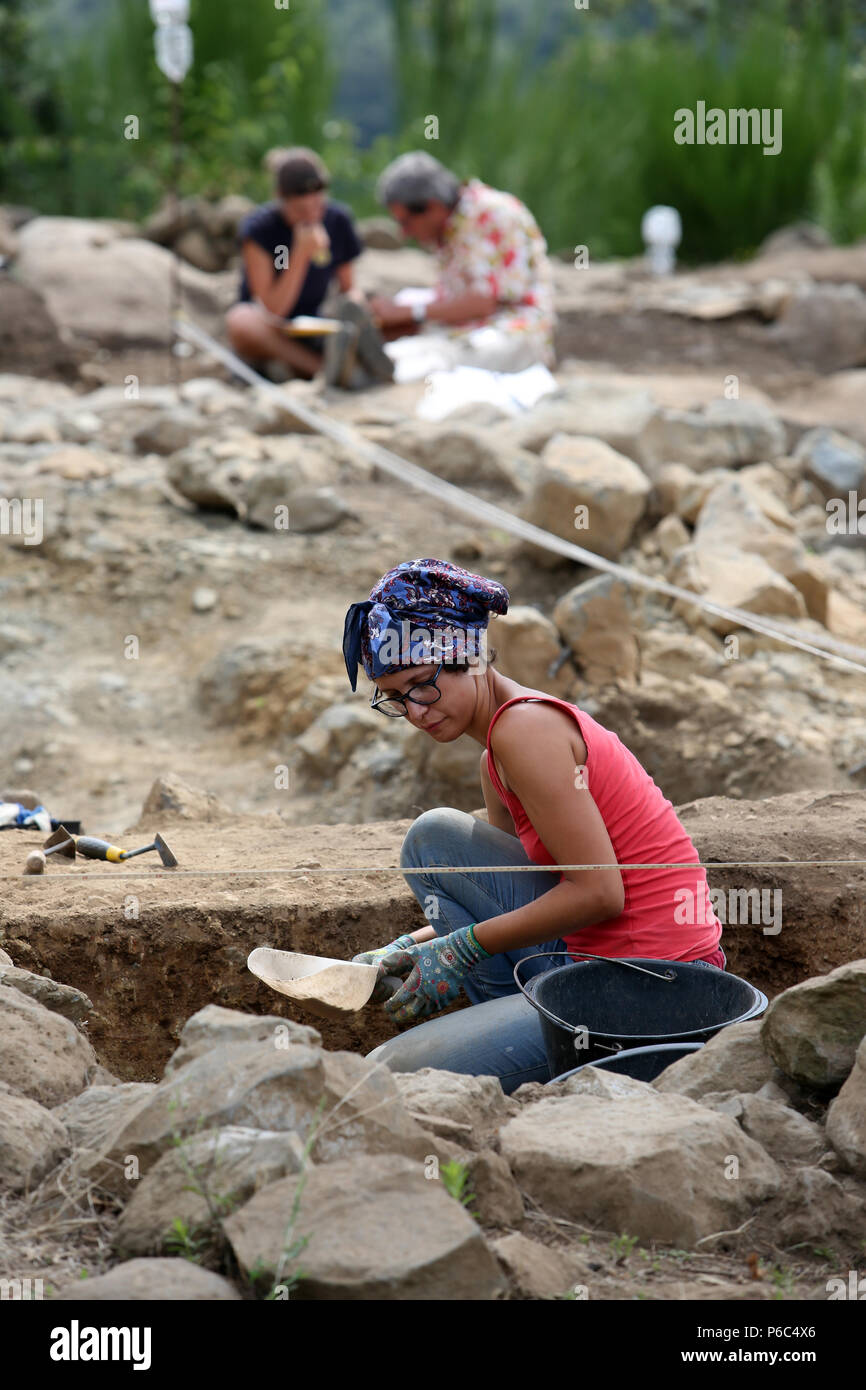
column 63, row 842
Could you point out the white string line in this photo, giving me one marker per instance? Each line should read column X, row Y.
column 477, row 508
column 422, row 869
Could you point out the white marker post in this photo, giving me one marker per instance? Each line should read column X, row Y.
column 173, row 46
column 662, row 230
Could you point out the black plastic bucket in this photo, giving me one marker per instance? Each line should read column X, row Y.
column 593, row 1008
column 641, row 1063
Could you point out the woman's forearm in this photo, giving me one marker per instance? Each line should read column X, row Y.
column 462, row 308
column 566, row 908
column 284, row 294
column 423, row 934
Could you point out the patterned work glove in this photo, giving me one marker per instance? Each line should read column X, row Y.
column 376, row 957
column 436, row 971
column 373, row 957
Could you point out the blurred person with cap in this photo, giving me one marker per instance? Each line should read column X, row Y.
column 292, row 249
column 492, row 305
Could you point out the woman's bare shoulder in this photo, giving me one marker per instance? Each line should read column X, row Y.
column 533, row 721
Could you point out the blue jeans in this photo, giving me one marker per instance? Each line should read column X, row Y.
column 502, row 1035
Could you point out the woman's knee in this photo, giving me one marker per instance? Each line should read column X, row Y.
column 245, row 326
column 427, row 832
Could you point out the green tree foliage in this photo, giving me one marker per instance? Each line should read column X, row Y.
column 257, row 80
column 573, row 110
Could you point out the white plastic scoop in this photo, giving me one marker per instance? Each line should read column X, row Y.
column 331, row 988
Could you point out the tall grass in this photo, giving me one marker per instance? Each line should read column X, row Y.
column 582, row 131
column 260, row 77
column 589, row 141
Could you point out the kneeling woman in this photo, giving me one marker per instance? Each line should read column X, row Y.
column 559, row 789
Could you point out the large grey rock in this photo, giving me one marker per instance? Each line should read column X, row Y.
column 301, row 471
column 335, row 735
column 597, row 1081
column 812, row 1031
column 823, row 324
column 738, row 514
column 42, row 1055
column 679, row 655
column 170, row 798
column 733, row 579
column 60, row 999
column 679, row 489
column 595, row 620
column 151, row 1281
column 257, row 1085
column 195, row 247
column 255, row 685
column 209, row 1174
column 587, row 493
column 733, row 1060
column 457, row 453
column 32, row 1141
column 527, row 649
column 33, row 427
column 168, row 431
column 617, row 415
column 846, row 1118
column 111, row 289
column 726, row 434
column 740, row 517
column 786, row 1135
column 198, row 477
column 30, row 340
column 371, row 1116
column 272, row 1084
column 454, row 1096
column 213, row 1025
column 92, row 1116
column 817, row 1206
column 311, row 510
column 660, row 1167
column 833, row 462
column 496, row 1199
column 378, row 1229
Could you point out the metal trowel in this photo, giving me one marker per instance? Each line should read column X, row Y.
column 327, row 987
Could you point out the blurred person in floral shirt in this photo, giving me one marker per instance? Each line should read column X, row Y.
column 492, row 305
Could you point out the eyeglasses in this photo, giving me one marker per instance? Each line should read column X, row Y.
column 412, row 210
column 425, row 693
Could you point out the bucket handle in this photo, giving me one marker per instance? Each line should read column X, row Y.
column 668, row 976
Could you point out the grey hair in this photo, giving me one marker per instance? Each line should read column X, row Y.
column 416, row 178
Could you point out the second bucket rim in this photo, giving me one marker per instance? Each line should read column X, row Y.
column 529, row 987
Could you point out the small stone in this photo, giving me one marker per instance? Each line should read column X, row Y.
column 670, row 534
column 203, row 600
column 80, row 427
column 832, row 461
column 151, row 1281
column 536, row 1270
column 34, row 427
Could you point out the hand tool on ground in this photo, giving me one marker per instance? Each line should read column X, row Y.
column 62, row 842
column 327, row 987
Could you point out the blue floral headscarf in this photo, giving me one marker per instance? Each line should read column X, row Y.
column 420, row 611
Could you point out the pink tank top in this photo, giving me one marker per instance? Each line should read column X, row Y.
column 668, row 913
